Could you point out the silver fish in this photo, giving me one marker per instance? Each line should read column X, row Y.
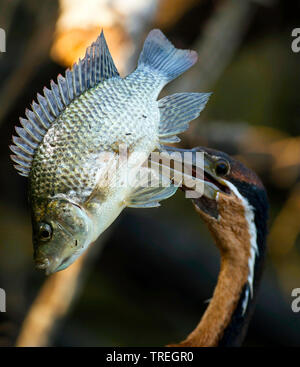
column 69, row 144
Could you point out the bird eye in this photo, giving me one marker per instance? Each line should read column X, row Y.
column 45, row 231
column 222, row 167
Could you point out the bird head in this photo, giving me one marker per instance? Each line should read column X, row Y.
column 230, row 188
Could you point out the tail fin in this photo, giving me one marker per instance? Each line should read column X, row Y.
column 161, row 56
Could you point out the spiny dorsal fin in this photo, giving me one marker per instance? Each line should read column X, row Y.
column 94, row 68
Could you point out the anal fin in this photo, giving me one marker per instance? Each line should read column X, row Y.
column 176, row 111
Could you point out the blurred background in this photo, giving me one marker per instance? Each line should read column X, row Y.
column 146, row 281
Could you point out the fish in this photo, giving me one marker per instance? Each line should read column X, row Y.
column 69, row 145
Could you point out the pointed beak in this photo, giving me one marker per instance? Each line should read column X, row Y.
column 205, row 165
column 212, row 183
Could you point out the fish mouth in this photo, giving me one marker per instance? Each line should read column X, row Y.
column 42, row 264
column 51, row 265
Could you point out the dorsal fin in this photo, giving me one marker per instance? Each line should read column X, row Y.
column 94, row 68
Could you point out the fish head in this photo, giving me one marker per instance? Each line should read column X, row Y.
column 61, row 232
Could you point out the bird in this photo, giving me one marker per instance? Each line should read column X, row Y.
column 234, row 206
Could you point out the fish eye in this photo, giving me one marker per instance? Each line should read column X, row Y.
column 222, row 167
column 45, row 232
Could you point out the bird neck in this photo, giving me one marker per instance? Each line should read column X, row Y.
column 235, row 331
column 233, row 241
column 238, row 223
column 240, row 232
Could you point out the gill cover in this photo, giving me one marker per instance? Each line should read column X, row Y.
column 61, row 232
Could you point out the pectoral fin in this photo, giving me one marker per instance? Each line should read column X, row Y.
column 150, row 189
column 151, row 196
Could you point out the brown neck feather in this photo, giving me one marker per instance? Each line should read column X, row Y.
column 231, row 234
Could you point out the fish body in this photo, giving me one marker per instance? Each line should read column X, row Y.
column 69, row 146
column 113, row 113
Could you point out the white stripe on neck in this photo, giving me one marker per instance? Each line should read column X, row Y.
column 249, row 215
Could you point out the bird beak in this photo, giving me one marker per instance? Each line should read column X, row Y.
column 202, row 171
column 208, row 186
column 213, row 185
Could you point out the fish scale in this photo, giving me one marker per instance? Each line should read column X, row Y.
column 72, row 137
column 88, row 127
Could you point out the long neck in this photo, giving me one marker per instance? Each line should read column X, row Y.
column 235, row 332
column 226, row 318
column 209, row 332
